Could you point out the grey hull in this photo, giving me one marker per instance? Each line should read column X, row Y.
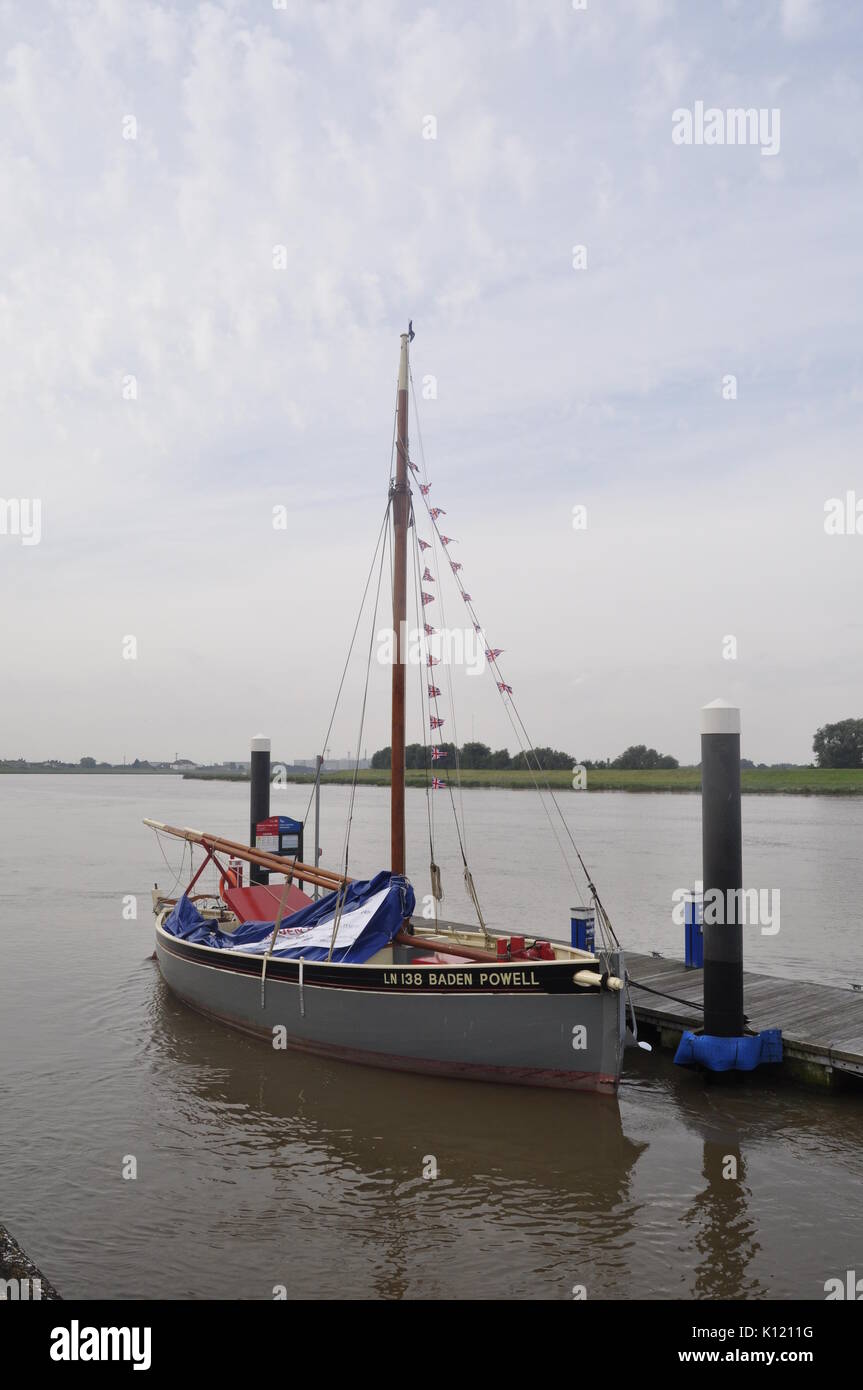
column 572, row 1040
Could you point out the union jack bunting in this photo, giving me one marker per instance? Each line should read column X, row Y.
column 447, row 540
column 425, row 489
column 427, row 598
column 477, row 628
column 424, row 545
column 414, row 466
column 428, row 576
column 493, row 653
column 434, row 693
column 467, row 598
column 437, row 754
column 435, row 723
column 430, row 631
column 504, row 689
column 437, row 784
column 435, row 512
column 432, row 661
column 455, row 566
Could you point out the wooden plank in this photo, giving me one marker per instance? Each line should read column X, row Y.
column 815, row 1017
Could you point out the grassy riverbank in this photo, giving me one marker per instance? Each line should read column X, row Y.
column 803, row 781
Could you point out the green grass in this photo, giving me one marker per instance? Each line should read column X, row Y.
column 804, row 781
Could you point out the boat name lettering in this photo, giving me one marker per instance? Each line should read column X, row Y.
column 448, row 978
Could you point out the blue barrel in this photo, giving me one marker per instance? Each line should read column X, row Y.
column 694, row 932
column 583, row 925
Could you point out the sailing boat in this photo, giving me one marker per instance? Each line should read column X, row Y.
column 355, row 975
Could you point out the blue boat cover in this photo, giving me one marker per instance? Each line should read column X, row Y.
column 729, row 1054
column 372, row 913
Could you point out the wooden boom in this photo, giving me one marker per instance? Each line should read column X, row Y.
column 324, row 878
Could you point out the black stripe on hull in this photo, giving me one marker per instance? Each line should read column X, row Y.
column 510, row 977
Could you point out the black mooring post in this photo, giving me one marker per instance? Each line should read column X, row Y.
column 259, row 798
column 722, row 856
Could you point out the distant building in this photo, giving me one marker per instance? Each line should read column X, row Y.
column 182, row 764
column 332, row 764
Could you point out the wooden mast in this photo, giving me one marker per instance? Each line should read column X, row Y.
column 401, row 509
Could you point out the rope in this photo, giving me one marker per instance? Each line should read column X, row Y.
column 425, row 705
column 690, row 1003
column 459, row 828
column 347, row 663
column 357, row 623
column 276, row 925
column 526, row 745
column 340, row 899
column 179, row 873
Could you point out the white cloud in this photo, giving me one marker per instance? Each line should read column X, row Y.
column 800, row 18
column 153, row 258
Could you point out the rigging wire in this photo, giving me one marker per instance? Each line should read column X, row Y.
column 461, row 829
column 424, row 715
column 169, row 866
column 439, row 551
column 351, row 801
column 528, row 749
column 348, row 661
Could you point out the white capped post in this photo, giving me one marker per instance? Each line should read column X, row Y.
column 259, row 797
column 722, row 856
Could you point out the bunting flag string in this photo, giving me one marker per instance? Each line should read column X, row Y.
column 434, row 693
column 424, row 545
column 491, row 653
column 429, row 630
column 437, row 784
column 505, row 690
column 427, row 598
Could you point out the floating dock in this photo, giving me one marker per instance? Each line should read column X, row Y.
column 822, row 1025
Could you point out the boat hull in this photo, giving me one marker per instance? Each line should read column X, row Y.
column 526, row 1024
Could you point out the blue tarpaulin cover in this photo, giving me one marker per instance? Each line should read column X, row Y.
column 371, row 915
column 729, row 1054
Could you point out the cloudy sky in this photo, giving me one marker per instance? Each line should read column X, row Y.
column 169, row 377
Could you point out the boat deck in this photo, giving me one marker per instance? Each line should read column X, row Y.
column 822, row 1025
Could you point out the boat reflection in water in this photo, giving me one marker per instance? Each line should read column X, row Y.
column 321, row 1166
column 300, row 1172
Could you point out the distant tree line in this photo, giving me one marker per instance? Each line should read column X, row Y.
column 479, row 755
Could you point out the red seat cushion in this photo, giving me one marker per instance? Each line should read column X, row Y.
column 259, row 902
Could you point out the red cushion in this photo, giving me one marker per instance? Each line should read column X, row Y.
column 259, row 902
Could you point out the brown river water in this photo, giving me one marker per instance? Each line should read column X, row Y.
column 258, row 1169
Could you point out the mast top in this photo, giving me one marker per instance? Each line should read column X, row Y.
column 403, row 362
